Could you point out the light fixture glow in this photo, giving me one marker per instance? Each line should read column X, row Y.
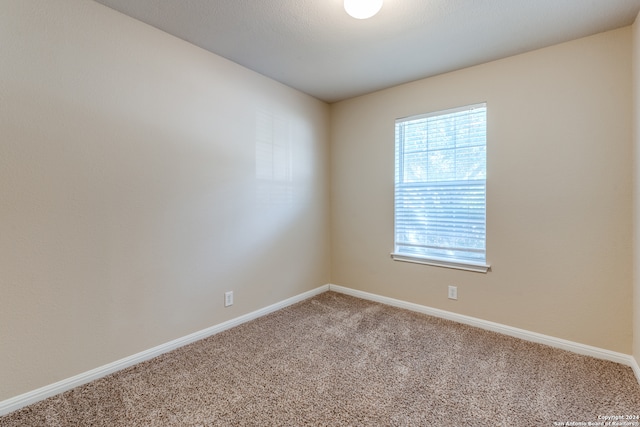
column 362, row 9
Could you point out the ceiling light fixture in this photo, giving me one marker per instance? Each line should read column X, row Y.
column 362, row 9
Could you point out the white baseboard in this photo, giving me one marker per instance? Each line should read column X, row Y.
column 574, row 347
column 42, row 393
column 636, row 368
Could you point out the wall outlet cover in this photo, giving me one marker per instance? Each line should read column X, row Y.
column 228, row 298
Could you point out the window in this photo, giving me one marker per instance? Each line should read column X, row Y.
column 440, row 188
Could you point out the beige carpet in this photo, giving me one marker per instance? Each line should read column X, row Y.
column 338, row 360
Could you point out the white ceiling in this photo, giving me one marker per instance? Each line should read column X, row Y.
column 314, row 46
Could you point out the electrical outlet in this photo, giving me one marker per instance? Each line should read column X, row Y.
column 453, row 292
column 228, row 298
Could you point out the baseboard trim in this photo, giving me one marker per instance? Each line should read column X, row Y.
column 42, row 393
column 636, row 368
column 560, row 343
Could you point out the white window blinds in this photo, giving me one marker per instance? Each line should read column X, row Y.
column 440, row 188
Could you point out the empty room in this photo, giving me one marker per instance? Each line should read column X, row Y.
column 319, row 212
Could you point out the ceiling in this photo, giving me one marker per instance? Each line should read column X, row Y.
column 315, row 47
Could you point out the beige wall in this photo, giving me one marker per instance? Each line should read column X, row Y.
column 636, row 193
column 140, row 178
column 559, row 185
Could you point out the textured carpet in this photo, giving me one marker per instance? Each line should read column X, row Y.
column 338, row 360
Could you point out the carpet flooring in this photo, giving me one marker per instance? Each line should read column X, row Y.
column 335, row 360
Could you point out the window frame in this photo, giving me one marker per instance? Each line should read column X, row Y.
column 455, row 263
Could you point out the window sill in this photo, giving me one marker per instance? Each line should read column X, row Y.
column 458, row 265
